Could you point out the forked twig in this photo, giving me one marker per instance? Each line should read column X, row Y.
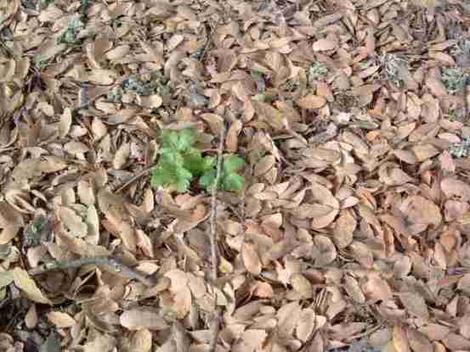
column 213, row 239
column 109, row 263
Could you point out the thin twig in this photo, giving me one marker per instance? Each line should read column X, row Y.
column 134, row 178
column 108, row 263
column 213, row 239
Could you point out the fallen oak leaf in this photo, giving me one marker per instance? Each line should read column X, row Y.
column 24, row 282
column 311, row 102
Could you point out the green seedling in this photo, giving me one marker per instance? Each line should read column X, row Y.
column 454, row 79
column 180, row 162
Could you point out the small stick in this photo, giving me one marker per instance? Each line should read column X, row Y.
column 134, row 178
column 109, row 263
column 213, row 239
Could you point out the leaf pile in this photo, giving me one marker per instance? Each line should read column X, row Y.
column 342, row 221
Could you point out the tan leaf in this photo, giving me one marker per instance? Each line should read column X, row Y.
column 323, row 250
column 250, row 258
column 435, row 332
column 418, row 341
column 301, row 285
column 344, row 228
column 424, row 151
column 181, row 293
column 65, row 123
column 73, row 222
column 93, row 222
column 452, row 187
column 98, row 128
column 103, row 77
column 305, row 325
column 151, row 102
column 361, row 253
column 400, row 340
column 263, row 290
column 24, row 282
column 142, row 318
column 324, row 45
column 311, row 102
column 118, row 52
column 420, row 210
column 31, row 317
column 250, row 340
column 231, row 140
column 415, row 304
column 141, row 341
column 60, row 320
column 353, row 289
column 120, row 158
column 264, row 165
column 85, row 192
column 376, row 288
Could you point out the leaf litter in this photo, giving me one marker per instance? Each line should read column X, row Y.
column 344, row 228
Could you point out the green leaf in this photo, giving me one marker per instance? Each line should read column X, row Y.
column 207, row 180
column 232, row 182
column 167, row 175
column 194, row 162
column 179, row 140
column 233, row 163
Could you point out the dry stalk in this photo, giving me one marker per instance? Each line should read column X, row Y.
column 215, row 328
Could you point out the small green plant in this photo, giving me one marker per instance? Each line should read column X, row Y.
column 395, row 68
column 460, row 149
column 181, row 162
column 70, row 36
column 454, row 79
column 317, row 70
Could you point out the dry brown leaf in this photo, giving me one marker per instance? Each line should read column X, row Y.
column 141, row 341
column 121, row 156
column 415, row 304
column 142, row 318
column 311, row 102
column 31, row 317
column 182, row 299
column 344, row 229
column 301, row 285
column 73, row 222
column 251, row 258
column 324, row 45
column 376, row 288
column 420, row 210
column 400, row 340
column 60, row 319
column 26, row 284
